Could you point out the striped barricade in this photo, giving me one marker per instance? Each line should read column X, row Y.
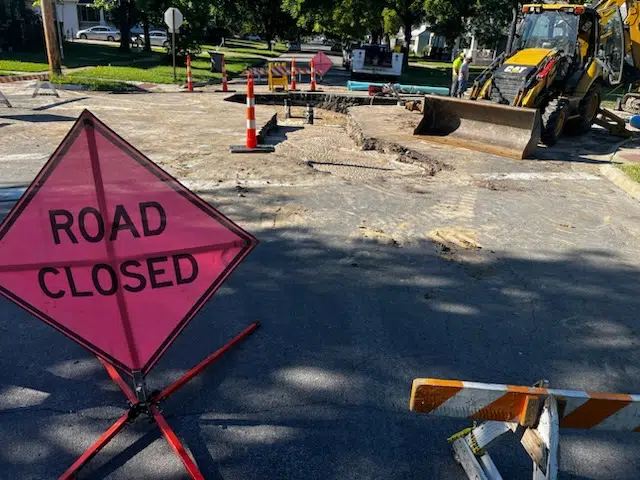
column 259, row 72
column 278, row 75
column 536, row 413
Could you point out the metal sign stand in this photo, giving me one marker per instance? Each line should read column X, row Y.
column 141, row 402
column 173, row 44
column 39, row 84
column 5, row 100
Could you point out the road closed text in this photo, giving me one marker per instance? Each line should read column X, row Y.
column 131, row 275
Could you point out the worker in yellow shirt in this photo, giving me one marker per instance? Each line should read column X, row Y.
column 457, row 63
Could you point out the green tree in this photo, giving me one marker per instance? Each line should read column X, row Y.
column 20, row 27
column 391, row 22
column 410, row 13
column 150, row 12
column 449, row 17
column 339, row 19
column 124, row 12
column 226, row 18
column 267, row 17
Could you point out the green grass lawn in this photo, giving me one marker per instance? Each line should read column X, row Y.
column 439, row 64
column 433, row 77
column 101, row 78
column 77, row 55
column 109, row 67
column 248, row 46
column 631, row 169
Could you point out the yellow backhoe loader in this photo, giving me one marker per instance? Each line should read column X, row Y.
column 630, row 102
column 549, row 84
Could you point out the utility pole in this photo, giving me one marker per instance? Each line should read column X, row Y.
column 53, row 48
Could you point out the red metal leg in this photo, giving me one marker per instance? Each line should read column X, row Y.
column 205, row 363
column 175, row 443
column 118, row 380
column 96, row 447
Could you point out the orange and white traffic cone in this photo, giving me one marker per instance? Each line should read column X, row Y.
column 293, row 74
column 252, row 137
column 189, row 79
column 225, row 87
column 313, row 75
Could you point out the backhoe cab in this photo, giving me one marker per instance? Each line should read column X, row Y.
column 548, row 84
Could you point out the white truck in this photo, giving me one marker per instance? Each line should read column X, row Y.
column 375, row 61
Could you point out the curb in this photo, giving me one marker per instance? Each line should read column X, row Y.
column 622, row 180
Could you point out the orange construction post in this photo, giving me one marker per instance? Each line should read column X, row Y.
column 313, row 75
column 189, row 79
column 225, row 87
column 293, row 73
column 225, row 81
column 252, row 137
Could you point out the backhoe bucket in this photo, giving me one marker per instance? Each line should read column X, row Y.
column 487, row 127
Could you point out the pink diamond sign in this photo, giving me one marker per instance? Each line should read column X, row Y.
column 112, row 251
column 322, row 63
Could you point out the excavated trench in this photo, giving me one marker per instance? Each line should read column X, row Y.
column 375, row 154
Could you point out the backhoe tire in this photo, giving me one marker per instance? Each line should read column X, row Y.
column 588, row 110
column 554, row 118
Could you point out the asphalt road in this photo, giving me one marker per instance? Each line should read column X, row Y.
column 355, row 300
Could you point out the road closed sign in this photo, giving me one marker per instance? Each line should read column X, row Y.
column 112, row 251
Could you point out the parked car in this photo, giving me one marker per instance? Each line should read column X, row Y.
column 99, row 33
column 255, row 38
column 293, row 47
column 157, row 38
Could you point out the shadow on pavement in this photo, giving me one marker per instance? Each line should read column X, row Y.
column 580, row 149
column 41, row 118
column 321, row 390
column 58, row 104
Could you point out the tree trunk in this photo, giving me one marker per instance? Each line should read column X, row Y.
column 407, row 24
column 125, row 19
column 145, row 28
column 376, row 36
column 268, row 32
column 512, row 28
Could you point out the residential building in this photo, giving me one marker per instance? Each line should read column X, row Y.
column 424, row 43
column 67, row 17
column 89, row 16
column 74, row 15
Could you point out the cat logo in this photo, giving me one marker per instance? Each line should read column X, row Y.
column 513, row 69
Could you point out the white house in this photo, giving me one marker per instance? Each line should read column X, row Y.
column 89, row 16
column 428, row 44
column 423, row 41
column 469, row 43
column 67, row 17
column 74, row 15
